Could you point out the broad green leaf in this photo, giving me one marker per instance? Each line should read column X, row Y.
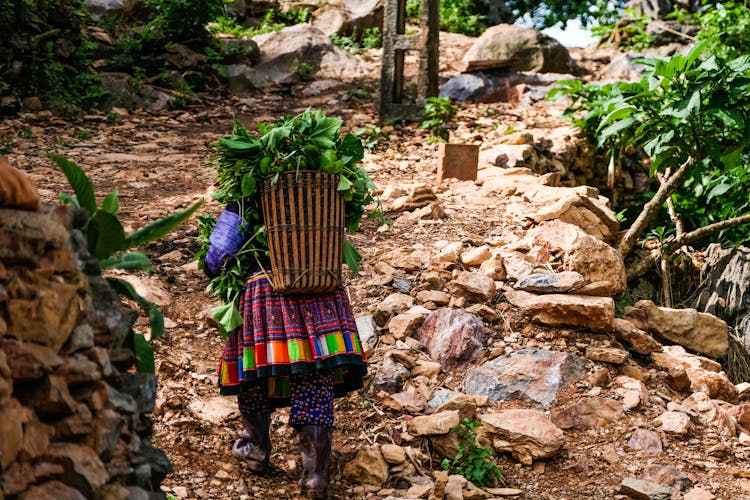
column 264, row 165
column 732, row 158
column 275, row 137
column 740, row 64
column 326, row 131
column 161, row 227
column 145, row 354
column 227, row 317
column 694, row 54
column 248, row 184
column 351, row 145
column 718, row 190
column 709, row 65
column 155, row 316
column 79, row 181
column 240, row 145
column 130, row 261
column 110, row 203
column 105, row 235
column 615, row 128
column 730, row 118
column 617, row 114
column 323, row 142
column 344, row 184
column 351, row 257
column 693, row 107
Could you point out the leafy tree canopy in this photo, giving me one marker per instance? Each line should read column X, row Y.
column 550, row 12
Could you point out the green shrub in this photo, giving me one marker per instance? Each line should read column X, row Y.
column 185, row 21
column 272, row 21
column 456, row 16
column 370, row 38
column 438, row 111
column 32, row 62
column 108, row 244
column 692, row 106
column 727, row 27
column 414, row 10
column 461, row 16
column 472, row 461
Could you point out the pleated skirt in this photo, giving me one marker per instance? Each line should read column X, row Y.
column 287, row 335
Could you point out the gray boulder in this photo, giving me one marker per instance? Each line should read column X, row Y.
column 511, row 47
column 291, row 54
column 468, row 87
column 533, row 375
column 124, row 93
column 101, row 9
column 348, row 18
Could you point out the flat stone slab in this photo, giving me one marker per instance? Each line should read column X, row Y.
column 533, row 375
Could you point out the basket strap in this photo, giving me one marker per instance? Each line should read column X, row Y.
column 268, row 275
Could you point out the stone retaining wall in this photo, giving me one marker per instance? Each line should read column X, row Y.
column 74, row 418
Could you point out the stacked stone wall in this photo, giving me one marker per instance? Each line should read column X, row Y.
column 74, row 416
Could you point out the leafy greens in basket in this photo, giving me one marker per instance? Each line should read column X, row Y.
column 308, row 141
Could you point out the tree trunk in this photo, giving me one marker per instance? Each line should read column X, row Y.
column 725, row 289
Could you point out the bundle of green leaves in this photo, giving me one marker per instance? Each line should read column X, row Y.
column 308, row 141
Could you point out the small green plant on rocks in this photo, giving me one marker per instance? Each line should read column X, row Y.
column 473, row 461
column 438, row 111
column 456, row 16
column 370, row 38
column 304, row 71
column 370, row 135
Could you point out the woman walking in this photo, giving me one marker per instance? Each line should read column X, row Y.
column 300, row 351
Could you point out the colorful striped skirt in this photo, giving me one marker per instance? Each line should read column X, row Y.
column 285, row 335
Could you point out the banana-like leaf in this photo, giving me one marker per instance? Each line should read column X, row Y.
column 110, row 203
column 130, row 261
column 155, row 316
column 80, row 183
column 157, row 229
column 105, row 235
column 145, row 354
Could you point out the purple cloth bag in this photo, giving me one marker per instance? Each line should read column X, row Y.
column 226, row 240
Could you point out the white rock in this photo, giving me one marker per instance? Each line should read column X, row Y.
column 476, row 256
column 437, row 423
column 674, row 422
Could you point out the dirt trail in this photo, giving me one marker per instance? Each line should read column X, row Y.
column 157, row 164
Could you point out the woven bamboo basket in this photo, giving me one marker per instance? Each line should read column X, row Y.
column 304, row 217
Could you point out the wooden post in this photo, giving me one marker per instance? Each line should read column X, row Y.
column 393, row 102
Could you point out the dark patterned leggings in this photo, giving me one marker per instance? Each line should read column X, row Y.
column 311, row 399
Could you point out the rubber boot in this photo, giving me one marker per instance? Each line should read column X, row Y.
column 316, row 443
column 255, row 443
column 308, row 453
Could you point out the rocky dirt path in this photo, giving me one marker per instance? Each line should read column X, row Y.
column 157, row 163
